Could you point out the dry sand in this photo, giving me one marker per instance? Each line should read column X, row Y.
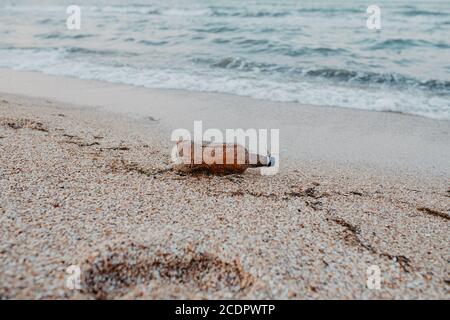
column 85, row 186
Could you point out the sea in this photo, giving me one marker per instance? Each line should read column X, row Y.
column 312, row 52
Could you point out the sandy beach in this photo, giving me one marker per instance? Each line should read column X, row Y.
column 83, row 181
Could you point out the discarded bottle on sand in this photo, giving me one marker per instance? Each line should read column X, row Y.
column 217, row 158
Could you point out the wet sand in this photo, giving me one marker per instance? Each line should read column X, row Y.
column 84, row 183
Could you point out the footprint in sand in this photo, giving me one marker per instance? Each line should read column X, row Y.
column 115, row 271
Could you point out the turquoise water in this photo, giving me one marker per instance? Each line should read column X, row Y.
column 313, row 52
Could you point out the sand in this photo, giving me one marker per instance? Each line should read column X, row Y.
column 88, row 186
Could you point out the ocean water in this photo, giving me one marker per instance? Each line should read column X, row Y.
column 312, row 52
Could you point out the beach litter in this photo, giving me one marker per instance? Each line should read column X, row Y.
column 216, row 158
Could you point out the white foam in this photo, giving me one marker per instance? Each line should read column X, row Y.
column 186, row 12
column 56, row 62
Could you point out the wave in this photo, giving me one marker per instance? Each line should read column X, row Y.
column 253, row 42
column 275, row 47
column 416, row 12
column 238, row 64
column 221, row 29
column 64, row 51
column 212, row 10
column 86, row 51
column 392, row 80
column 278, row 88
column 246, row 13
column 58, row 35
column 335, row 75
column 330, row 10
column 186, row 12
column 399, row 44
column 281, row 13
column 305, row 51
column 221, row 13
column 251, row 14
column 45, row 21
column 153, row 42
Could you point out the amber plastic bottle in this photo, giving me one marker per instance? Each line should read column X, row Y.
column 217, row 158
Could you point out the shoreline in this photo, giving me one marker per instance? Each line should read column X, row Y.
column 330, row 136
column 82, row 184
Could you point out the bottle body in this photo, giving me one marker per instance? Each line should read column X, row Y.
column 216, row 158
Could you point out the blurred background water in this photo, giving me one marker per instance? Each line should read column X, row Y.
column 313, row 52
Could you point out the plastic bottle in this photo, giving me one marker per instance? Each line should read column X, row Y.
column 217, row 158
